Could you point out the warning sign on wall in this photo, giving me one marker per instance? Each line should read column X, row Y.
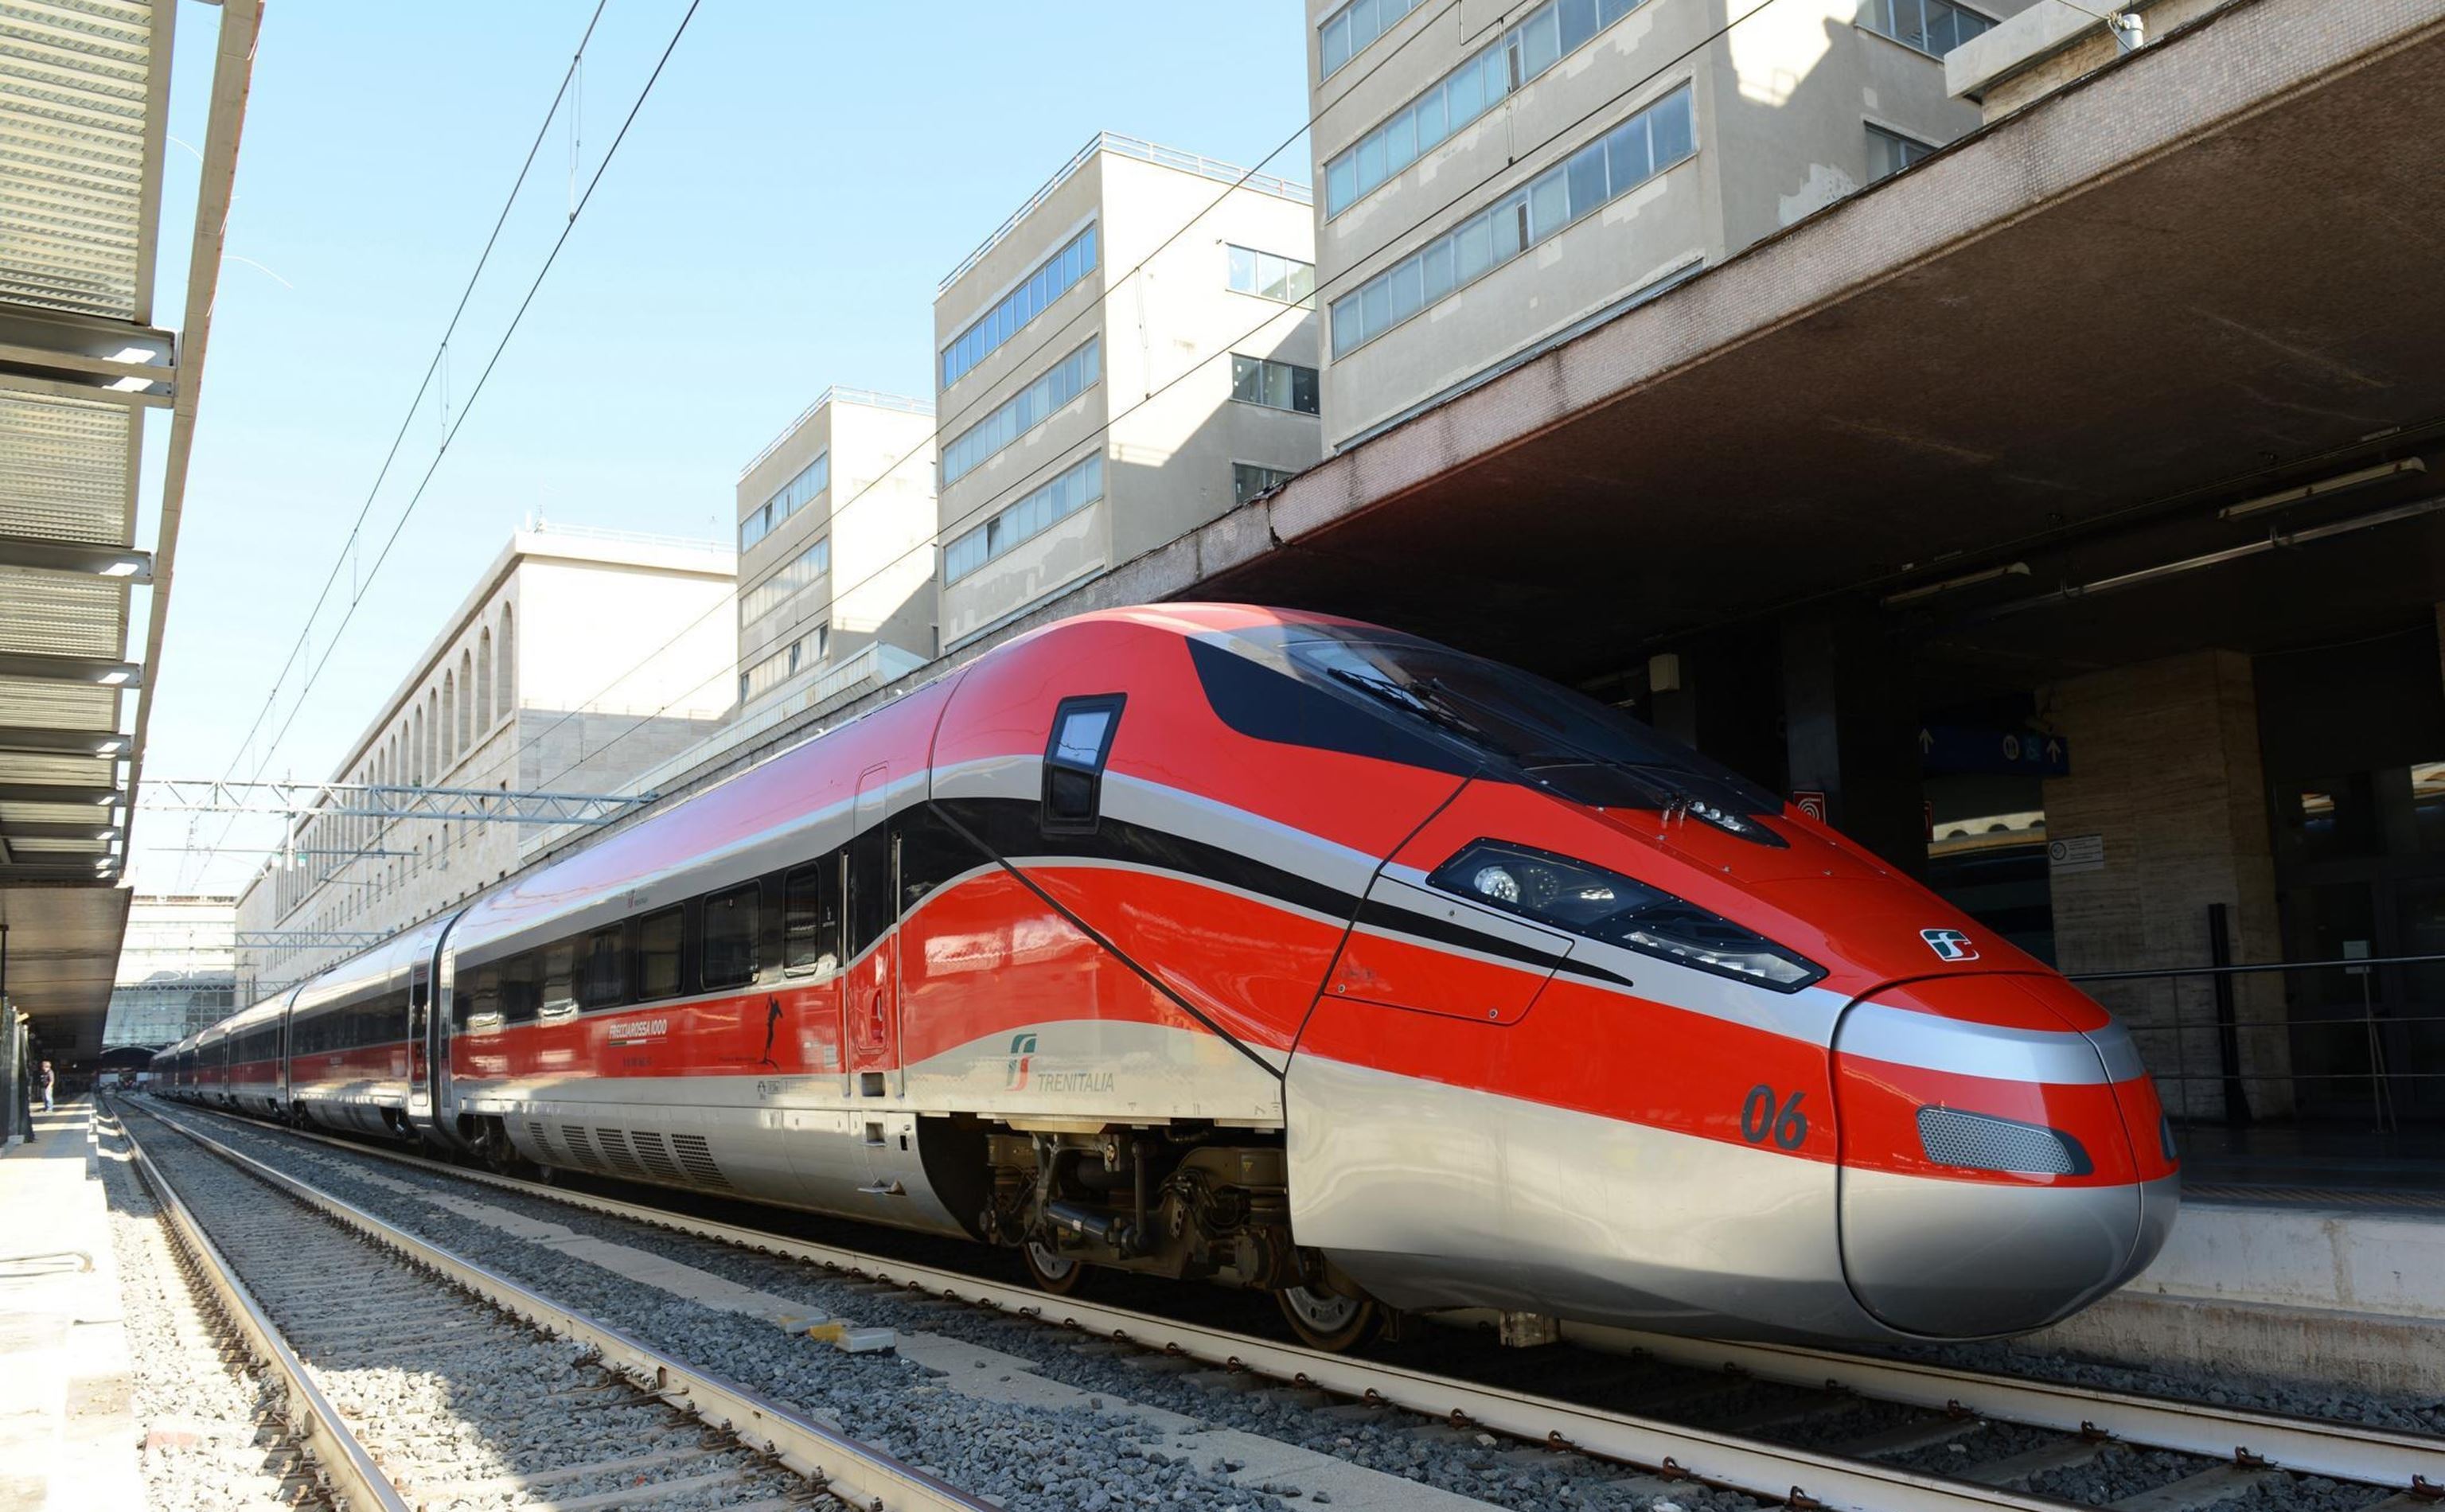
column 2076, row 853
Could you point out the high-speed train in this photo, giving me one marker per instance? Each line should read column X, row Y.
column 1291, row 953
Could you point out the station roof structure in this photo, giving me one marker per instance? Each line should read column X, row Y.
column 84, row 88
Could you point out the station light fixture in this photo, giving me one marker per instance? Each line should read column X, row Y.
column 40, row 667
column 36, row 740
column 1929, row 590
column 2337, row 484
column 80, row 559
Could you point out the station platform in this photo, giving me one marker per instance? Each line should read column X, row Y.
column 2307, row 1264
column 68, row 1430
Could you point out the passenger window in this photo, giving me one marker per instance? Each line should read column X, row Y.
column 1073, row 762
column 657, row 954
column 811, row 919
column 560, row 978
column 518, row 996
column 481, row 1002
column 730, row 934
column 607, row 967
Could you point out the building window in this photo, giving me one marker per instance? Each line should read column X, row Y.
column 777, row 668
column 1268, row 277
column 1552, row 32
column 1933, row 27
column 1060, row 384
column 1248, row 479
column 778, row 589
column 1276, row 385
column 811, row 480
column 1350, row 31
column 1889, row 151
column 1077, row 487
column 1629, row 154
column 1011, row 315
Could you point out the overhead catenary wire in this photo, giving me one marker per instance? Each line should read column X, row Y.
column 1359, row 271
column 435, row 368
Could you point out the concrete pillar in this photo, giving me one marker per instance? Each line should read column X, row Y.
column 1850, row 714
column 2165, row 772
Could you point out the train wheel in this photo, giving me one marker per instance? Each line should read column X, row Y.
column 1051, row 1270
column 1329, row 1320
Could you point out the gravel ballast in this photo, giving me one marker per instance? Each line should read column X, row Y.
column 1108, row 1455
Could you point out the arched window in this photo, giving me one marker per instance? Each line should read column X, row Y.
column 432, row 733
column 485, row 713
column 506, row 677
column 450, row 732
column 468, row 727
column 416, row 751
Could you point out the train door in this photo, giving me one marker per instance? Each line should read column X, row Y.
column 870, row 1005
column 420, row 1016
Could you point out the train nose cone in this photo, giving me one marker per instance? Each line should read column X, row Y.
column 1992, row 1178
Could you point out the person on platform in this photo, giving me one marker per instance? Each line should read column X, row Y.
column 49, row 1079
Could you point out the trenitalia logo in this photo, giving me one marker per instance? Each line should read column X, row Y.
column 1022, row 1050
column 1949, row 944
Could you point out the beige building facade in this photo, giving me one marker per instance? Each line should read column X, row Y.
column 577, row 660
column 836, row 542
column 1132, row 354
column 1493, row 178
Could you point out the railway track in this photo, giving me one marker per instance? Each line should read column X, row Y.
column 417, row 1379
column 1780, row 1424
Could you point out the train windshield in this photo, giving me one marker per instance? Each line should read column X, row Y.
column 1579, row 748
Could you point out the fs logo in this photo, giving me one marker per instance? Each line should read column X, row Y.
column 1022, row 1050
column 1949, row 944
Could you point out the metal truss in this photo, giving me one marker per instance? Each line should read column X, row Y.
column 307, row 939
column 365, row 800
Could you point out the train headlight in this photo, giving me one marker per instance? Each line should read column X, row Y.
column 1619, row 910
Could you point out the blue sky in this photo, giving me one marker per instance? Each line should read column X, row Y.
column 799, row 181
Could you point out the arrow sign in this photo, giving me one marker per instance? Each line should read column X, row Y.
column 1955, row 748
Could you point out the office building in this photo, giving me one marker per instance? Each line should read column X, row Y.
column 1132, row 353
column 1493, row 179
column 577, row 660
column 835, row 549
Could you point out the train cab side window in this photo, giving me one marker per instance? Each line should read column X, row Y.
column 811, row 919
column 731, row 927
column 605, row 983
column 559, row 979
column 657, row 954
column 1073, row 762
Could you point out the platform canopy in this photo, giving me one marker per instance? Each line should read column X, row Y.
column 2018, row 396
column 84, row 88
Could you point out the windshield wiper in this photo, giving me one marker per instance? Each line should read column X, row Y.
column 1408, row 697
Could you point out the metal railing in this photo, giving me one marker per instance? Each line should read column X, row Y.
column 871, row 398
column 1144, row 152
column 2353, row 1036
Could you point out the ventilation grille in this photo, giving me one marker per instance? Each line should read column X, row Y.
column 1979, row 1142
column 579, row 1149
column 653, row 1155
column 696, row 1157
column 542, row 1140
column 615, row 1150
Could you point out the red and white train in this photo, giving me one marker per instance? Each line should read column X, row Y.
column 1288, row 952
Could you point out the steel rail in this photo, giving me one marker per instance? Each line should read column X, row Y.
column 833, row 1462
column 1771, row 1471
column 2341, row 1451
column 346, row 1464
column 2411, row 1462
